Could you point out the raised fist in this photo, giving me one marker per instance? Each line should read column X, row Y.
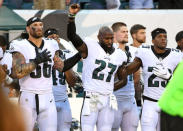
column 74, row 9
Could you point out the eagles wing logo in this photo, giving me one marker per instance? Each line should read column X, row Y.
column 11, row 49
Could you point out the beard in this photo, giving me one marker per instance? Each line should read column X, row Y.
column 161, row 47
column 37, row 35
column 140, row 40
column 106, row 48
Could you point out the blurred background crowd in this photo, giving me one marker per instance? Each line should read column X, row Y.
column 94, row 4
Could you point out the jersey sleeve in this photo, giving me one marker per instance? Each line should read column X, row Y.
column 179, row 57
column 91, row 46
column 15, row 47
column 139, row 53
column 1, row 53
column 89, row 42
column 55, row 45
column 7, row 60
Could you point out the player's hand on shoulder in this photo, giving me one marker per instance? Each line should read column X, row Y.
column 42, row 57
column 74, row 9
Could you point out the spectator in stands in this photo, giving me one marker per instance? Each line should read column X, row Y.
column 27, row 4
column 170, row 4
column 19, row 4
column 103, row 4
column 179, row 40
column 141, row 4
column 14, row 4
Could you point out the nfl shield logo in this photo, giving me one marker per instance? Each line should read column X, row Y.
column 39, row 50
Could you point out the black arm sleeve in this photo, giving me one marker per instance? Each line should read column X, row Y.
column 69, row 63
column 72, row 36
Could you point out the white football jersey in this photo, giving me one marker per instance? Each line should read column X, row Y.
column 1, row 53
column 39, row 81
column 59, row 83
column 7, row 59
column 153, row 85
column 99, row 68
column 128, row 90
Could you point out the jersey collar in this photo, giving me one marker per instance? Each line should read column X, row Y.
column 41, row 47
column 162, row 55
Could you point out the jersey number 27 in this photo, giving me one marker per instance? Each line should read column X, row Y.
column 100, row 76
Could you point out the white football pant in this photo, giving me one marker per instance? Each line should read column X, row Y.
column 47, row 116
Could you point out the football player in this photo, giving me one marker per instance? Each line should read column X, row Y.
column 101, row 61
column 158, row 63
column 64, row 116
column 33, row 59
column 126, row 116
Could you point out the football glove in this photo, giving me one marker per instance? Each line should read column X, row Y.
column 42, row 57
column 162, row 72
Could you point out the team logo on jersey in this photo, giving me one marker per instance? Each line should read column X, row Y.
column 159, row 64
column 107, row 57
column 11, row 48
column 136, row 53
column 160, row 59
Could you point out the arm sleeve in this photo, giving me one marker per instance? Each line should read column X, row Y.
column 72, row 36
column 69, row 63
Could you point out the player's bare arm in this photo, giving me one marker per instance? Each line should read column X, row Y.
column 122, row 76
column 58, row 63
column 71, row 31
column 67, row 64
column 137, row 85
column 70, row 77
column 20, row 67
column 134, row 66
column 2, row 74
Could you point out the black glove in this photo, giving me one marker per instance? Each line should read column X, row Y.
column 42, row 57
column 139, row 102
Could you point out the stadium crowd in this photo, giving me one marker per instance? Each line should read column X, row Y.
column 94, row 4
